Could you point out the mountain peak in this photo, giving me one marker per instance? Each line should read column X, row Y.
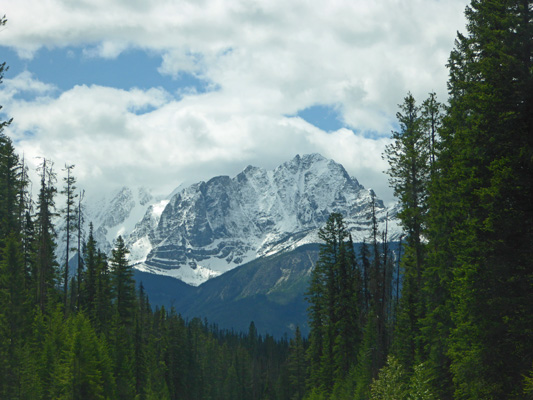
column 309, row 158
column 211, row 227
column 306, row 160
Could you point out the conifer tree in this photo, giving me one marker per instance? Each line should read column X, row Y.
column 484, row 197
column 297, row 366
column 79, row 372
column 365, row 265
column 432, row 113
column 347, row 310
column 123, row 283
column 9, row 188
column 70, row 220
column 409, row 160
column 103, row 293
column 14, row 316
column 89, row 286
column 141, row 343
column 9, row 164
column 410, row 157
column 333, row 294
column 378, row 300
column 123, row 291
column 45, row 265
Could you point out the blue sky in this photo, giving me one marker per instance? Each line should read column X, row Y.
column 161, row 93
column 133, row 68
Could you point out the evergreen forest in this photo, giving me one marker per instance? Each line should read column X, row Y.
column 445, row 314
column 458, row 323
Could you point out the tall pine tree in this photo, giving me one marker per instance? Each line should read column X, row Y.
column 70, row 221
column 481, row 232
column 334, row 294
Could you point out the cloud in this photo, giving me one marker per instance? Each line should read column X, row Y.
column 176, row 141
column 266, row 59
column 24, row 83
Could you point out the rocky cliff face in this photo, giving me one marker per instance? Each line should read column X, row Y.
column 211, row 227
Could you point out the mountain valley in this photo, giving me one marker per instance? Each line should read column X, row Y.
column 233, row 250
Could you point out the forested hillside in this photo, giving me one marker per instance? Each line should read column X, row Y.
column 463, row 172
column 91, row 333
column 452, row 318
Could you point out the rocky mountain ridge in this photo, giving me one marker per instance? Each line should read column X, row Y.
column 206, row 229
column 209, row 228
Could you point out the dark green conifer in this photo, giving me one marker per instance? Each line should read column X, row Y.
column 123, row 331
column 45, row 265
column 297, row 366
column 333, row 295
column 484, row 198
column 70, row 221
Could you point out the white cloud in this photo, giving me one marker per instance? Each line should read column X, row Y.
column 106, row 49
column 268, row 58
column 25, row 82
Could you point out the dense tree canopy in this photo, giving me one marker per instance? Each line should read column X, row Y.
column 452, row 318
column 463, row 175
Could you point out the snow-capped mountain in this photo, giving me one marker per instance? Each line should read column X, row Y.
column 117, row 214
column 211, row 227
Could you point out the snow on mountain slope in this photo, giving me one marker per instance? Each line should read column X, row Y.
column 112, row 215
column 211, row 227
column 117, row 214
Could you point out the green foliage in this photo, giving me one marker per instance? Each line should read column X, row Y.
column 462, row 328
column 392, row 382
column 334, row 296
column 82, row 366
column 485, row 192
column 141, row 354
column 70, row 220
column 528, row 385
column 45, row 274
column 317, row 394
column 420, row 387
column 412, row 157
column 367, row 362
column 296, row 366
column 395, row 383
column 110, row 344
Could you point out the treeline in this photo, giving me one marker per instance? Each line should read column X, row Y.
column 354, row 302
column 91, row 333
column 97, row 337
column 463, row 326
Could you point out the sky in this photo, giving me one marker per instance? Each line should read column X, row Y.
column 161, row 93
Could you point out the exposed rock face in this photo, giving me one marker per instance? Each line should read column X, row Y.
column 211, row 227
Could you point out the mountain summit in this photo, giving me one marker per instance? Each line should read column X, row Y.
column 211, row 227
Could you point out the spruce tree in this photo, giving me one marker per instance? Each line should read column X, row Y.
column 297, row 366
column 334, row 293
column 123, row 331
column 103, row 310
column 89, row 285
column 409, row 161
column 9, row 164
column 481, row 232
column 45, row 265
column 123, row 283
column 14, row 317
column 70, row 221
column 365, row 266
column 432, row 113
column 410, row 157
